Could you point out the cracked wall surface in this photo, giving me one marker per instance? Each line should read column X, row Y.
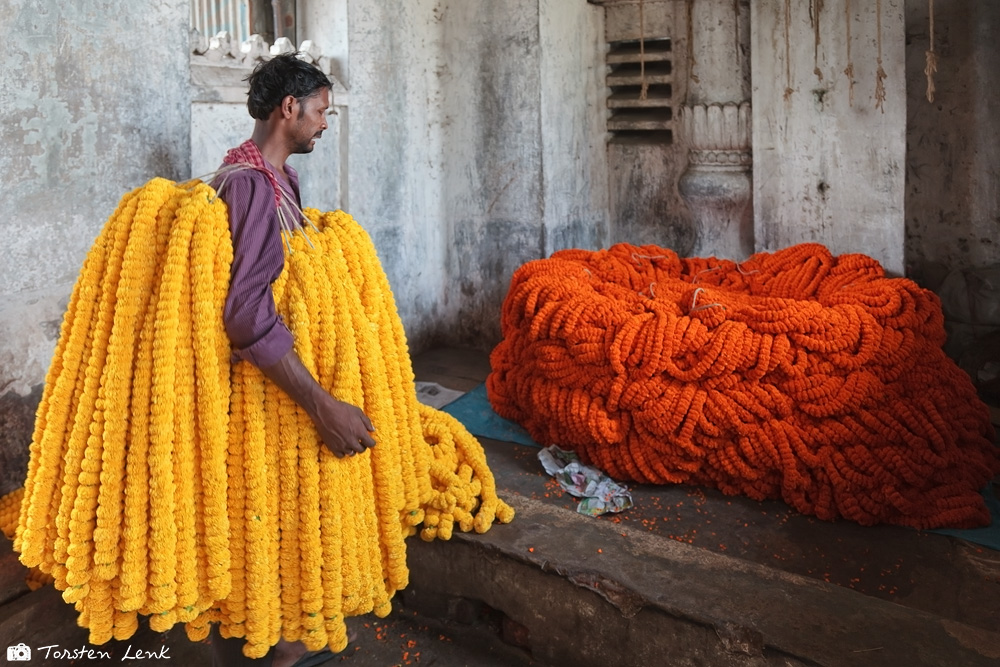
column 828, row 160
column 475, row 145
column 90, row 108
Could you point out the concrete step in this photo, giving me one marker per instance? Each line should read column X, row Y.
column 689, row 576
column 592, row 593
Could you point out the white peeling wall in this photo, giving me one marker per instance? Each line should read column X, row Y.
column 574, row 151
column 824, row 169
column 93, row 102
column 492, row 156
column 474, row 146
column 394, row 140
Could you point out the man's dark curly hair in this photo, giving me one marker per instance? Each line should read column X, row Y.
column 274, row 79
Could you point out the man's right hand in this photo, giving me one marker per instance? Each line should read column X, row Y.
column 344, row 428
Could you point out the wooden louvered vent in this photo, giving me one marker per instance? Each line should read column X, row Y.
column 632, row 118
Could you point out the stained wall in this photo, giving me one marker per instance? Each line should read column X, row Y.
column 953, row 143
column 475, row 144
column 828, row 158
column 90, row 107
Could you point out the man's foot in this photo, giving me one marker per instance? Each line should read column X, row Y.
column 295, row 654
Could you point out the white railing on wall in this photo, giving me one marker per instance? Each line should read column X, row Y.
column 224, row 48
column 210, row 17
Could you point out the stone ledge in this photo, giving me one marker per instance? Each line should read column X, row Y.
column 12, row 573
column 594, row 593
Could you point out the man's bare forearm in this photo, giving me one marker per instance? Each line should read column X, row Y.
column 294, row 378
column 344, row 428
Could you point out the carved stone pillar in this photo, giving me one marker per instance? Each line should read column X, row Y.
column 715, row 127
column 717, row 185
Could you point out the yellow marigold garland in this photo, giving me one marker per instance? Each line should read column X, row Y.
column 164, row 482
column 10, row 509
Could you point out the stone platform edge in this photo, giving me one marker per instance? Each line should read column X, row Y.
column 591, row 592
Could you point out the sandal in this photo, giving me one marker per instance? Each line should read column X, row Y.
column 314, row 658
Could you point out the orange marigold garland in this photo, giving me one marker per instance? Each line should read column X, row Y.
column 796, row 375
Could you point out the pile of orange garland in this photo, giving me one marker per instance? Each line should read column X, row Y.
column 795, row 375
column 164, row 482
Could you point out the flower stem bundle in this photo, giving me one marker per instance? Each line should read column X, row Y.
column 164, row 481
column 795, row 375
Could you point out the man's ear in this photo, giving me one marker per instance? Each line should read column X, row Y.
column 288, row 106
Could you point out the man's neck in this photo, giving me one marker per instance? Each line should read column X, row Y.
column 271, row 148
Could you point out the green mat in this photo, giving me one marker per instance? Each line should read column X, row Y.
column 473, row 409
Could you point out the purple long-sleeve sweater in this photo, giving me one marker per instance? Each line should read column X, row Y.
column 256, row 331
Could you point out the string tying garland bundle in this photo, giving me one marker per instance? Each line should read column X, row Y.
column 164, row 482
column 796, row 375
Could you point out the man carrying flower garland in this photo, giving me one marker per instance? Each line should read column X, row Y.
column 289, row 99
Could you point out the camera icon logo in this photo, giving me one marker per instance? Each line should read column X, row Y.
column 19, row 653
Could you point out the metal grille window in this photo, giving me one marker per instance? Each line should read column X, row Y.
column 635, row 114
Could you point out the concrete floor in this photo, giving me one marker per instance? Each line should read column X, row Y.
column 686, row 577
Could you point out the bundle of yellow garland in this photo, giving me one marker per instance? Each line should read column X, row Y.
column 796, row 375
column 164, row 482
column 10, row 508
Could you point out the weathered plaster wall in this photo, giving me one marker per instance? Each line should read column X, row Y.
column 953, row 143
column 574, row 152
column 84, row 116
column 827, row 170
column 645, row 206
column 472, row 149
column 493, row 180
column 394, row 140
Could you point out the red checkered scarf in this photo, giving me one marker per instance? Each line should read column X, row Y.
column 248, row 154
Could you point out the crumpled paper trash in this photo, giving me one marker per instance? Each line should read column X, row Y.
column 434, row 395
column 600, row 493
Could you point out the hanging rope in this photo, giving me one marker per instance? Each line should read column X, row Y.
column 692, row 63
column 817, row 8
column 849, row 70
column 642, row 53
column 931, row 58
column 788, row 52
column 880, row 74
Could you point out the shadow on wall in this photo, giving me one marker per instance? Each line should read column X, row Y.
column 17, row 419
column 950, row 224
column 490, row 254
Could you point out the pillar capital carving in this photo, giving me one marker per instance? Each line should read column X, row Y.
column 717, row 135
column 717, row 185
